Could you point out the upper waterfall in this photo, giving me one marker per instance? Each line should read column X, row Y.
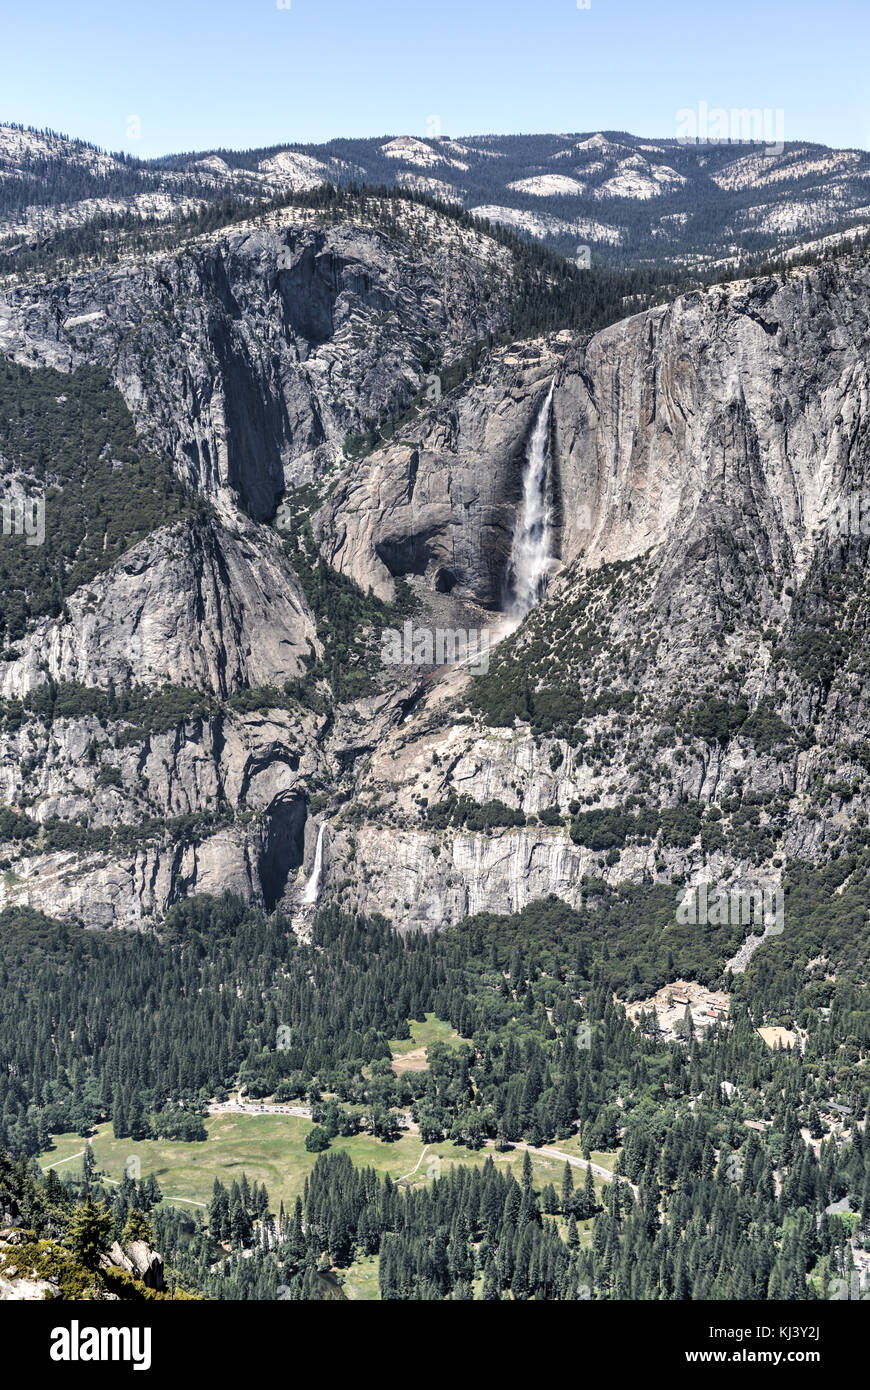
column 532, row 542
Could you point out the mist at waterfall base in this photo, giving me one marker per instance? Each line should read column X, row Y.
column 312, row 888
column 531, row 559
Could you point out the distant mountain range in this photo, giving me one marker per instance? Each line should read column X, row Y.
column 629, row 200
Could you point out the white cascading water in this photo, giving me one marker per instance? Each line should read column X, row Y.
column 530, row 551
column 312, row 887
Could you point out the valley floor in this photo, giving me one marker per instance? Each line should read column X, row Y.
column 270, row 1149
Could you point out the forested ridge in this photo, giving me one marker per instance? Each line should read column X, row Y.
column 70, row 440
column 693, row 215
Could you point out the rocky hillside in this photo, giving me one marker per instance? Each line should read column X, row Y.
column 185, row 713
column 691, row 700
column 49, row 1248
column 163, row 704
column 248, row 356
column 51, row 183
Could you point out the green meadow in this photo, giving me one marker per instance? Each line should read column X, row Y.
column 271, row 1150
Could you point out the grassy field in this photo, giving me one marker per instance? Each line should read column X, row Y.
column 409, row 1054
column 439, row 1158
column 573, row 1147
column 271, row 1150
column 424, row 1034
column 361, row 1280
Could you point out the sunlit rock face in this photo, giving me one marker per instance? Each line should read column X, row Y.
column 704, row 613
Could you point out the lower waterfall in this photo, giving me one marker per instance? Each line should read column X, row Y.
column 312, row 887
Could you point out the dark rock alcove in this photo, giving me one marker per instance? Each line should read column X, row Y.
column 283, row 848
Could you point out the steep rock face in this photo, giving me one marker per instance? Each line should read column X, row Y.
column 425, row 877
column 701, row 657
column 212, row 805
column 248, row 356
column 705, row 643
column 199, row 603
column 127, row 819
column 137, row 815
column 499, row 873
column 744, row 406
column 136, row 889
column 749, row 400
column 443, row 504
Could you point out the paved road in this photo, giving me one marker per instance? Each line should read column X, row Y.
column 549, row 1152
column 234, row 1107
column 575, row 1162
column 415, row 1167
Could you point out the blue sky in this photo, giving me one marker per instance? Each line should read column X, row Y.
column 203, row 73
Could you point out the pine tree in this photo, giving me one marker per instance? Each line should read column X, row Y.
column 527, row 1171
column 491, row 1293
column 89, row 1233
column 567, row 1189
column 89, row 1165
column 138, row 1227
column 590, row 1201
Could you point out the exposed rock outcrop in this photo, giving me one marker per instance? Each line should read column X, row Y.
column 140, row 1260
column 249, row 355
column 442, row 504
column 707, row 457
column 702, row 644
column 213, row 606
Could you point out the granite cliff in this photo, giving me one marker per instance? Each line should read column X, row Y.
column 689, row 700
